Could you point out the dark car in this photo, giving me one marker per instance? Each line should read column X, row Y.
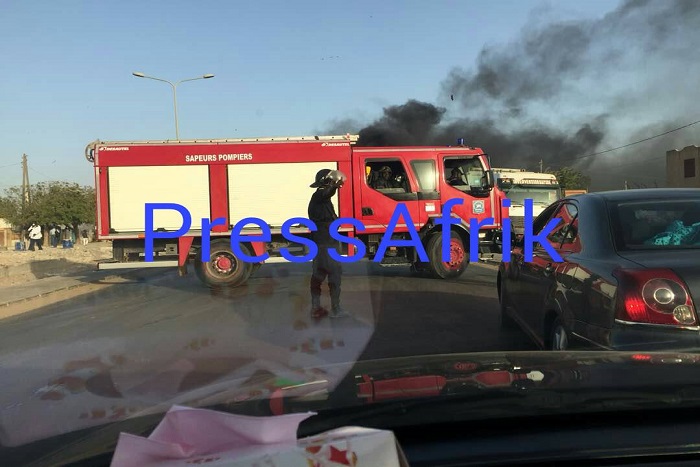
column 629, row 274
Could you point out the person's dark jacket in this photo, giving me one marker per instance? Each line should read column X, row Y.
column 382, row 183
column 322, row 213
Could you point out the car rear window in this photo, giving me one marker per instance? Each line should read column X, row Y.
column 656, row 224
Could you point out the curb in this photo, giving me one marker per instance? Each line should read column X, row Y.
column 42, row 295
column 52, row 271
column 75, row 286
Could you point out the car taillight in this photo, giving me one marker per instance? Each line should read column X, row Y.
column 654, row 296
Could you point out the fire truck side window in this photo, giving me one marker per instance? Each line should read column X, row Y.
column 425, row 173
column 387, row 176
column 464, row 173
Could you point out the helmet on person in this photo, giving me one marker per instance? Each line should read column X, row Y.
column 337, row 177
column 334, row 176
column 320, row 177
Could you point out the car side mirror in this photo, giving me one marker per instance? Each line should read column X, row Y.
column 489, row 179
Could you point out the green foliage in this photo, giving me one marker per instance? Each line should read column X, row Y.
column 50, row 202
column 572, row 179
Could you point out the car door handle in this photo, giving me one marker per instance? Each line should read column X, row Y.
column 367, row 211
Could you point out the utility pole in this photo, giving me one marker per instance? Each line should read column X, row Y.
column 26, row 198
column 627, row 187
column 541, row 162
column 25, row 182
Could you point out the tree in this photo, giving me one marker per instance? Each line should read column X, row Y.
column 51, row 202
column 572, row 179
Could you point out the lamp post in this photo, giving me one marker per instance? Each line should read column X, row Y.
column 174, row 86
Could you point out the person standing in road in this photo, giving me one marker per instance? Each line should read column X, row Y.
column 35, row 237
column 322, row 213
column 84, row 236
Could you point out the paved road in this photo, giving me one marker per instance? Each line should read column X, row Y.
column 409, row 315
column 120, row 349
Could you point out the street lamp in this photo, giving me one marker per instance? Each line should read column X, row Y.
column 174, row 86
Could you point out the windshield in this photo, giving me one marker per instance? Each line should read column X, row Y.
column 657, row 224
column 295, row 207
column 464, row 173
column 541, row 196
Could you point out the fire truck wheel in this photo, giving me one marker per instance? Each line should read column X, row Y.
column 223, row 267
column 459, row 256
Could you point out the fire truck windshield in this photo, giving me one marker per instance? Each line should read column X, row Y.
column 539, row 195
column 464, row 173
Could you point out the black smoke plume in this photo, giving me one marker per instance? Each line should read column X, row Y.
column 562, row 90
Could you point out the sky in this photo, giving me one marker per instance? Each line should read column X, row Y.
column 281, row 68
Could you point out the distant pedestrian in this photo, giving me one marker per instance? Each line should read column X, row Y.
column 84, row 235
column 35, row 237
column 68, row 234
column 53, row 235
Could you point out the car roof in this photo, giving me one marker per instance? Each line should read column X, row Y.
column 642, row 193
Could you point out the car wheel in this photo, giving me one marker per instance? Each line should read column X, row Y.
column 558, row 336
column 506, row 321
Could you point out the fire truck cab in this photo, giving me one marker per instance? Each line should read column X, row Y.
column 268, row 178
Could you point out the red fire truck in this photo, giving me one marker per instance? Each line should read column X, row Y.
column 269, row 178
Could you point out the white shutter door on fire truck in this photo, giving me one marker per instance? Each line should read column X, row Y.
column 273, row 192
column 130, row 188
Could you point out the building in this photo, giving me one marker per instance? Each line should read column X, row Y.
column 8, row 237
column 683, row 167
